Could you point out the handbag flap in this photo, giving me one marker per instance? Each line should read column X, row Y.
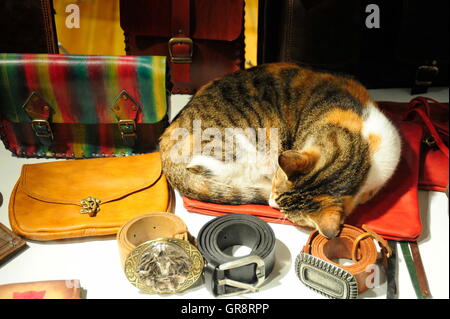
column 106, row 179
column 210, row 20
column 82, row 89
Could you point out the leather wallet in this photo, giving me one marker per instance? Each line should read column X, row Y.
column 91, row 197
column 9, row 243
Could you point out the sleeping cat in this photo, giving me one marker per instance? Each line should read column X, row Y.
column 312, row 144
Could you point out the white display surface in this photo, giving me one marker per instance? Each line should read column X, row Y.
column 96, row 263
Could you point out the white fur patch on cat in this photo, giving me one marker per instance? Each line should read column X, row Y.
column 385, row 158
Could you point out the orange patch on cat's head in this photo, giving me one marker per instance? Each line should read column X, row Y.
column 329, row 218
column 344, row 118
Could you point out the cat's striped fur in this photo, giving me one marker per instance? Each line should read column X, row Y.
column 335, row 150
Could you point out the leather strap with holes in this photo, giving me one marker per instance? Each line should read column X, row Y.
column 180, row 45
column 351, row 243
column 148, row 227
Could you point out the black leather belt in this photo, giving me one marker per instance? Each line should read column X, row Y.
column 227, row 275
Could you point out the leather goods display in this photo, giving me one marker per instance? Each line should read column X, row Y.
column 78, row 106
column 27, row 26
column 202, row 39
column 52, row 289
column 318, row 269
column 10, row 243
column 156, row 254
column 379, row 42
column 91, row 197
column 227, row 275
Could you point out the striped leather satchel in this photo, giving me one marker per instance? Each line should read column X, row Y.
column 81, row 106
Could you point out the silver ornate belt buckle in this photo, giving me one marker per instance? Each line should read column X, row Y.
column 326, row 278
column 260, row 273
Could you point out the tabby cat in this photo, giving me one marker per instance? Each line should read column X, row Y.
column 333, row 148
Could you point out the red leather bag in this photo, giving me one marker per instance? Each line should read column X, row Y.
column 202, row 39
column 434, row 118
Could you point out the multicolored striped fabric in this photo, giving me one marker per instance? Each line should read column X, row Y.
column 81, row 91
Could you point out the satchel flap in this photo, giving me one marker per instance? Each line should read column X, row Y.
column 82, row 89
column 210, row 20
column 106, row 179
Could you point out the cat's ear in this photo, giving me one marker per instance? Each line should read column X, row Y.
column 294, row 163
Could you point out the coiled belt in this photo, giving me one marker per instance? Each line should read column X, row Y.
column 227, row 275
column 317, row 269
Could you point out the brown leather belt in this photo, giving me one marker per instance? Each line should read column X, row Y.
column 317, row 268
column 156, row 254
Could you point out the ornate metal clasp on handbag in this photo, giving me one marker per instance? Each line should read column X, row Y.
column 91, row 206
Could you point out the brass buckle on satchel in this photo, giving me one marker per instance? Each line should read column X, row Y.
column 127, row 123
column 37, row 126
column 181, row 59
column 260, row 273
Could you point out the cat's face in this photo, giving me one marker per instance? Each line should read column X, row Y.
column 304, row 207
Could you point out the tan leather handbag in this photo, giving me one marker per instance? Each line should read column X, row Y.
column 91, row 197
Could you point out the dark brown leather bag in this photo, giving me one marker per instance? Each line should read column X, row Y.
column 202, row 39
column 27, row 26
column 405, row 51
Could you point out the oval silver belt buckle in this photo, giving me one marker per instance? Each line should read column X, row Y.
column 325, row 278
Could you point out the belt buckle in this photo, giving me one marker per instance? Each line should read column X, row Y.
column 181, row 59
column 325, row 278
column 164, row 266
column 37, row 126
column 248, row 260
